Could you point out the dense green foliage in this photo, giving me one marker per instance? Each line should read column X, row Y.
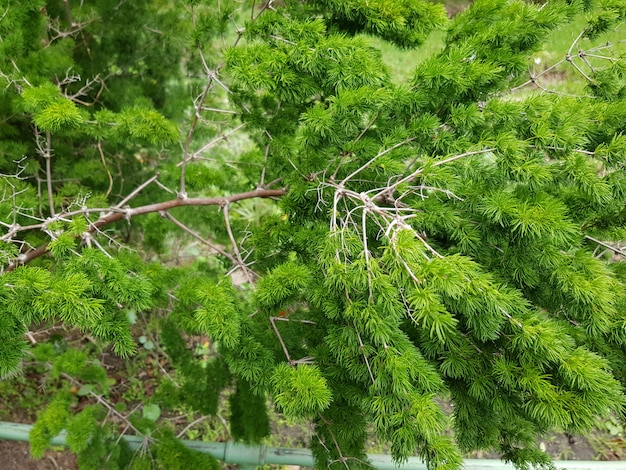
column 367, row 247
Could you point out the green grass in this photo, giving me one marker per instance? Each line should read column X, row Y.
column 403, row 62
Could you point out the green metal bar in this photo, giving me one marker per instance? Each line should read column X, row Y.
column 248, row 457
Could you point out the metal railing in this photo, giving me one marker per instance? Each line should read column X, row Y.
column 249, row 457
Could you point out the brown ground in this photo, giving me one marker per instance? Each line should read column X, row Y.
column 16, row 456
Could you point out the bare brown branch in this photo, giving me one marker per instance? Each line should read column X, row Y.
column 110, row 218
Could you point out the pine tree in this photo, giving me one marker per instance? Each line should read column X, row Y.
column 371, row 246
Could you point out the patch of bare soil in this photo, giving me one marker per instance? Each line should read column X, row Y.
column 16, row 456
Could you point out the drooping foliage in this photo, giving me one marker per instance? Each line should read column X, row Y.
column 369, row 248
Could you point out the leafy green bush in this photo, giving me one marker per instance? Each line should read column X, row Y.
column 349, row 247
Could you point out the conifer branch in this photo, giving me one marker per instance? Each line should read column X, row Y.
column 212, row 77
column 268, row 5
column 569, row 57
column 265, row 157
column 581, row 71
column 190, row 425
column 445, row 161
column 391, row 215
column 583, row 57
column 578, row 38
column 280, row 340
column 291, row 362
column 460, row 265
column 534, row 77
column 90, row 238
column 366, row 251
column 368, row 126
column 88, row 86
column 68, row 13
column 563, row 149
column 74, row 29
column 218, row 110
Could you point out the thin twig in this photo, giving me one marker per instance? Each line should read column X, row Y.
column 240, row 260
column 607, row 246
column 392, row 188
column 190, row 133
column 46, row 153
column 362, row 347
column 88, row 85
column 341, row 459
column 267, row 152
column 210, row 144
column 580, row 71
column 533, row 78
column 373, row 159
column 368, row 126
column 136, row 191
column 106, row 404
column 367, row 254
column 197, row 236
column 106, row 167
column 190, row 425
column 578, row 38
column 280, row 339
column 217, row 110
